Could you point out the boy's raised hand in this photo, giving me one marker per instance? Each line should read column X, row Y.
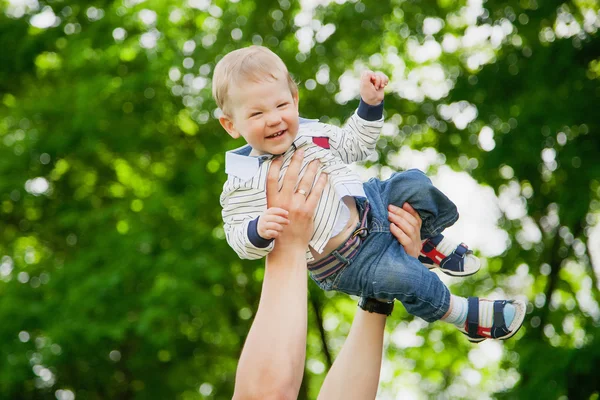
column 372, row 85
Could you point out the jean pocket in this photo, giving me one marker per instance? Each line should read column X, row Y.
column 330, row 282
column 338, row 276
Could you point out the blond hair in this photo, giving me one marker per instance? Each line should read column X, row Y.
column 255, row 63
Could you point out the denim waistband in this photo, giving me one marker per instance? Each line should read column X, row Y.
column 341, row 256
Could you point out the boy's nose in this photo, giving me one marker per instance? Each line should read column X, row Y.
column 273, row 119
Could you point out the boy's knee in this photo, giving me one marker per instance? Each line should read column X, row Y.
column 392, row 286
column 415, row 175
column 411, row 186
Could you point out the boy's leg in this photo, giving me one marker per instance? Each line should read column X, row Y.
column 437, row 212
column 393, row 274
column 396, row 275
column 382, row 269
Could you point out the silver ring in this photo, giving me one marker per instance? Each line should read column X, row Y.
column 302, row 192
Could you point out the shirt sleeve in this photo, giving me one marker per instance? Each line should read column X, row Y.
column 356, row 140
column 241, row 208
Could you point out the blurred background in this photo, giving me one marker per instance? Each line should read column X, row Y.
column 115, row 278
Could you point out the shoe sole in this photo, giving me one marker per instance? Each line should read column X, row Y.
column 455, row 273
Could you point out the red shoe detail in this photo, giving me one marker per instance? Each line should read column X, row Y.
column 434, row 255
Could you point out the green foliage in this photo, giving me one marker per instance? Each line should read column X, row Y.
column 116, row 281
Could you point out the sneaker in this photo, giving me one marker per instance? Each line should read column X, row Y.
column 452, row 259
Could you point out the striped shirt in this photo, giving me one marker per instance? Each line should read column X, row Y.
column 244, row 193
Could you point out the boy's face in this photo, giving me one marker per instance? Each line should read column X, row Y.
column 265, row 114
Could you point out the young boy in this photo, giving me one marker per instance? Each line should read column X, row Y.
column 352, row 249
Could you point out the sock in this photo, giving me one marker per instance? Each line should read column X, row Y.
column 460, row 306
column 458, row 312
column 444, row 246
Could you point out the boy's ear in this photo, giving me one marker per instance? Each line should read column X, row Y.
column 227, row 124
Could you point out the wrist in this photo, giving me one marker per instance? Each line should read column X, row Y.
column 261, row 234
column 255, row 237
column 376, row 306
column 371, row 102
column 370, row 112
column 288, row 252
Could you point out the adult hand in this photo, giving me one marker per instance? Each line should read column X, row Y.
column 406, row 227
column 300, row 203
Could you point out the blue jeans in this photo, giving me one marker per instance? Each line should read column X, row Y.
column 381, row 269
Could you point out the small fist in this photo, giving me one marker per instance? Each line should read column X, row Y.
column 271, row 222
column 371, row 87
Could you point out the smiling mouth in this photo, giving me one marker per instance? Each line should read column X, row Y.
column 277, row 134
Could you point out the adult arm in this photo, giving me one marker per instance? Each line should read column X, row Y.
column 355, row 372
column 272, row 361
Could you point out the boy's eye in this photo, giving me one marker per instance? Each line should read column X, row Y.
column 282, row 105
column 254, row 114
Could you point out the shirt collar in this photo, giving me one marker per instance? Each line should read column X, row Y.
column 241, row 164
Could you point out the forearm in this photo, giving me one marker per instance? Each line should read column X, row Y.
column 357, row 139
column 272, row 360
column 359, row 361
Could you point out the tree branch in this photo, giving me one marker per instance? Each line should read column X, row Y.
column 317, row 307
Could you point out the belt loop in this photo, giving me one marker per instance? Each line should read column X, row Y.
column 340, row 257
column 363, row 223
column 362, row 230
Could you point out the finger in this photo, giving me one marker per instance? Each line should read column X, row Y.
column 313, row 198
column 273, row 226
column 383, row 79
column 403, row 214
column 399, row 234
column 400, row 212
column 306, row 183
column 277, row 211
column 403, row 224
column 273, row 178
column 411, row 246
column 271, row 234
column 408, row 208
column 276, row 219
column 291, row 175
column 375, row 79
